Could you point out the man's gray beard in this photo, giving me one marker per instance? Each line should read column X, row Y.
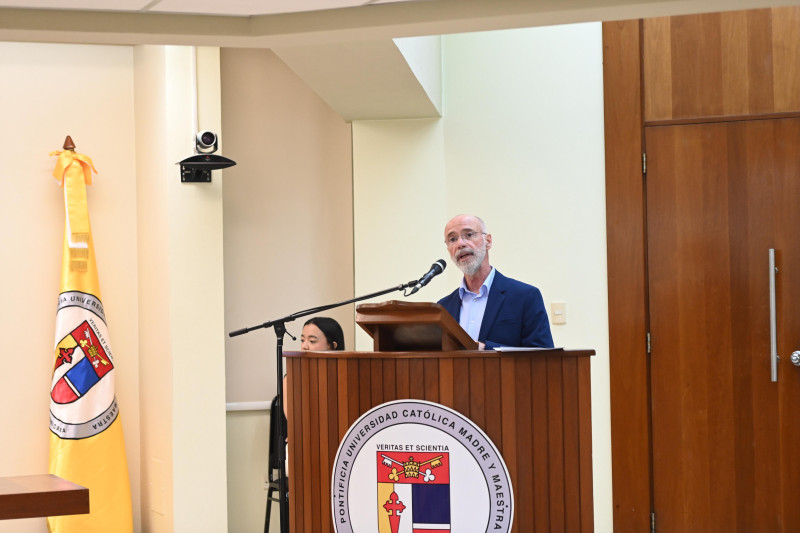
column 473, row 265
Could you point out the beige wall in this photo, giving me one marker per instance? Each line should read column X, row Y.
column 288, row 213
column 288, row 244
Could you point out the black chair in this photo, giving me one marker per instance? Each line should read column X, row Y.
column 273, row 468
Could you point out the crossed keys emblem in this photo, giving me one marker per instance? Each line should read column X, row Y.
column 94, row 354
column 411, row 468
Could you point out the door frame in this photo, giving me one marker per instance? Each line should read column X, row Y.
column 627, row 280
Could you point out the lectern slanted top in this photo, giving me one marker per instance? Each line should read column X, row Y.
column 397, row 326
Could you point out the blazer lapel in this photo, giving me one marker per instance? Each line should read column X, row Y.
column 496, row 296
column 453, row 305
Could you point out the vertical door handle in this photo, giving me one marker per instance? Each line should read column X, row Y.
column 773, row 333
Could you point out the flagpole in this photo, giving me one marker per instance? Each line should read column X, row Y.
column 279, row 326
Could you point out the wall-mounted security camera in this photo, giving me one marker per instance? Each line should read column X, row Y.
column 206, row 142
column 197, row 168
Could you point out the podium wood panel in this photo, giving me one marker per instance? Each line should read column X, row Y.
column 535, row 406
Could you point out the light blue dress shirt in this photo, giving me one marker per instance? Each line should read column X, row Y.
column 473, row 306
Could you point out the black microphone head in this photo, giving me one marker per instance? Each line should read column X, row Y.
column 441, row 264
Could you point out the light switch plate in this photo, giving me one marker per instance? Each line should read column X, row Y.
column 558, row 313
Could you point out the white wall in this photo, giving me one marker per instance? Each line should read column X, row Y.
column 48, row 92
column 159, row 254
column 181, row 295
column 399, row 194
column 521, row 145
column 424, row 56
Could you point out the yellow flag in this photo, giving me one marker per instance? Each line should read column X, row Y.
column 86, row 442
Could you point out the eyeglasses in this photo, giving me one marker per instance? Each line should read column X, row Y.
column 467, row 235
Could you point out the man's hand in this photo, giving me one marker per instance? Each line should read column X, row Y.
column 481, row 346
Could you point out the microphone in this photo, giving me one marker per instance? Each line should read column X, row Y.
column 436, row 269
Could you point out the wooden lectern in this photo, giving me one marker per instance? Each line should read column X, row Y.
column 535, row 405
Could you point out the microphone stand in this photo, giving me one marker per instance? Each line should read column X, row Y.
column 279, row 325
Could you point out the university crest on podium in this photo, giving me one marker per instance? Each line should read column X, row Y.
column 411, row 466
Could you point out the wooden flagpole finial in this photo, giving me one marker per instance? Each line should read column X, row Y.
column 68, row 144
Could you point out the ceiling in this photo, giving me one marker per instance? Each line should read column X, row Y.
column 270, row 23
column 344, row 49
column 233, row 8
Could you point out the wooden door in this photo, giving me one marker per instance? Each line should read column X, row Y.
column 725, row 438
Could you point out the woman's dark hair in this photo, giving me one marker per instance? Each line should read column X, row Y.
column 331, row 329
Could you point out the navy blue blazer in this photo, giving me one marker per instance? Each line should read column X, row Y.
column 515, row 314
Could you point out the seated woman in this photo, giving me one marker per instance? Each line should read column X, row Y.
column 320, row 334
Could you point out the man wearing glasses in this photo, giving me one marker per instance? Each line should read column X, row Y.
column 493, row 309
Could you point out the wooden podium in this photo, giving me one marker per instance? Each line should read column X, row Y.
column 535, row 405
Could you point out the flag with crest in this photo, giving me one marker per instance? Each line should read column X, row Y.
column 86, row 441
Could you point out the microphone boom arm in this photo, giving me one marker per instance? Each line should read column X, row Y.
column 314, row 310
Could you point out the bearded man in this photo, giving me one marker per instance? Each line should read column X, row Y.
column 493, row 309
